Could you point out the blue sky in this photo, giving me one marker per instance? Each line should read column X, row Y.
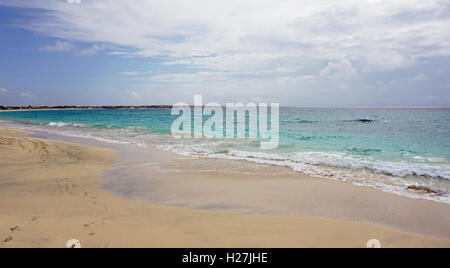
column 299, row 53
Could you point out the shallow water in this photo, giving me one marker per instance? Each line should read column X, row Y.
column 405, row 151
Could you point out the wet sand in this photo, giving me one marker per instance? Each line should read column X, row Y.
column 253, row 189
column 51, row 191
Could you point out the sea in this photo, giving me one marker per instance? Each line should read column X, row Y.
column 405, row 151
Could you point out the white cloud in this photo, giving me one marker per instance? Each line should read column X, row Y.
column 74, row 1
column 240, row 35
column 63, row 46
column 338, row 69
column 388, row 60
column 244, row 47
column 135, row 73
column 3, row 91
column 91, row 50
column 118, row 53
column 59, row 46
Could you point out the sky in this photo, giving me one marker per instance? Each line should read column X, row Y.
column 310, row 53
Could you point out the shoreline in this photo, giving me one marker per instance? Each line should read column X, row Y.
column 331, row 198
column 329, row 201
column 62, row 198
column 408, row 190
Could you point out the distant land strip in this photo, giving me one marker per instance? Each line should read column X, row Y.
column 21, row 108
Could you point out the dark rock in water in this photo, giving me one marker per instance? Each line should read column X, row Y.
column 366, row 121
column 423, row 189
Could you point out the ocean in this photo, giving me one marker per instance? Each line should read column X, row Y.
column 402, row 151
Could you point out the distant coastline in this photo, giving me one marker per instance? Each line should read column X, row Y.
column 35, row 108
column 117, row 107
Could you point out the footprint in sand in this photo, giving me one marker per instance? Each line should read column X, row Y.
column 12, row 229
column 9, row 238
column 87, row 226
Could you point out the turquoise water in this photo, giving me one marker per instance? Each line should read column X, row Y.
column 388, row 149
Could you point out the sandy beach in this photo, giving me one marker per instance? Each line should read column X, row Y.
column 51, row 191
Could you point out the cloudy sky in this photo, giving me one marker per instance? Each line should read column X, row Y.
column 296, row 52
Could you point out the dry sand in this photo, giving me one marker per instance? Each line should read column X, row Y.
column 50, row 192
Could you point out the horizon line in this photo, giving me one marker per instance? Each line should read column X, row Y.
column 55, row 107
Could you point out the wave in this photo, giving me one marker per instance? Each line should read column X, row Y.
column 342, row 160
column 62, row 124
column 398, row 169
column 359, row 161
column 415, row 180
